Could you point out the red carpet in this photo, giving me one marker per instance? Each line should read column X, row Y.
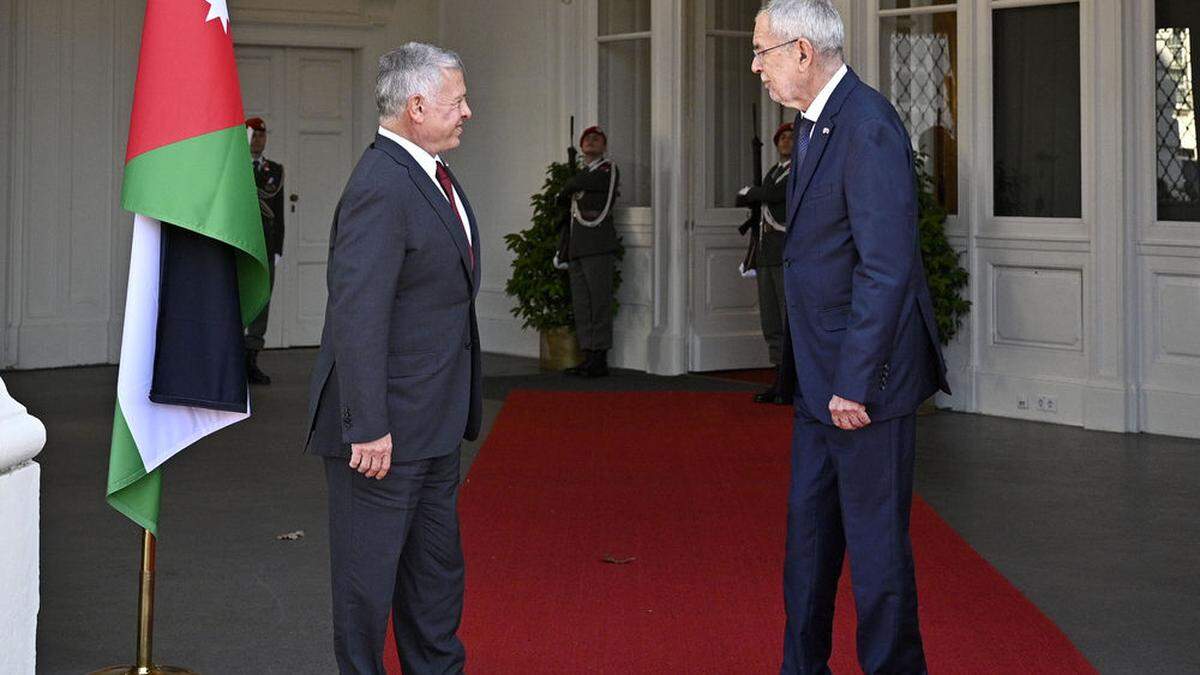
column 692, row 487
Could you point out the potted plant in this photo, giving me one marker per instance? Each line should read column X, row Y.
column 543, row 293
column 944, row 273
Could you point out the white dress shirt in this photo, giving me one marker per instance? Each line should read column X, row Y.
column 429, row 164
column 815, row 109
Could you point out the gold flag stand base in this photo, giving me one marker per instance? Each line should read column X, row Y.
column 149, row 670
column 145, row 622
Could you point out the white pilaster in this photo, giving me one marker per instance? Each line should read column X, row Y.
column 21, row 439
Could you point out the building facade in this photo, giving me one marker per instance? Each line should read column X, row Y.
column 1061, row 135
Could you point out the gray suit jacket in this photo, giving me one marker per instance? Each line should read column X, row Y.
column 400, row 348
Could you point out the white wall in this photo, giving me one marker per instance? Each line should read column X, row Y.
column 7, row 24
column 64, row 240
column 509, row 50
column 66, row 140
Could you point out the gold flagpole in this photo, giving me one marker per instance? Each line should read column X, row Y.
column 145, row 665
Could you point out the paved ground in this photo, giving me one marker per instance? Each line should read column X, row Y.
column 1099, row 530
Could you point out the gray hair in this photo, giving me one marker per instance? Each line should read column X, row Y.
column 410, row 70
column 817, row 21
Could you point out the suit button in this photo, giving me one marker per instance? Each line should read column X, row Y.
column 787, row 262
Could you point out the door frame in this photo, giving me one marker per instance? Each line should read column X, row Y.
column 1096, row 384
column 358, row 41
column 710, row 227
column 1164, row 389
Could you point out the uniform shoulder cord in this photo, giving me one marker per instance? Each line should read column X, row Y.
column 577, row 216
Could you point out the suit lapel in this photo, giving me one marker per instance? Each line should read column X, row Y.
column 436, row 198
column 822, row 131
column 804, row 172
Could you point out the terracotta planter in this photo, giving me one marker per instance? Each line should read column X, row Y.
column 927, row 407
column 559, row 349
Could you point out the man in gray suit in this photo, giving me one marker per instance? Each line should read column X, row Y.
column 397, row 384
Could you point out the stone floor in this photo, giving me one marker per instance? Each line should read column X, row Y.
column 1100, row 530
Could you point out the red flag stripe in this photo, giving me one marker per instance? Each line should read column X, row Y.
column 187, row 81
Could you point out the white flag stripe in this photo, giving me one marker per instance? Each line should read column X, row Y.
column 159, row 430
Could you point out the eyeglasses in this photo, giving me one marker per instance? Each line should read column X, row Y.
column 759, row 52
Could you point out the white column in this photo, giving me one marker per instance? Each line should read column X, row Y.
column 21, row 439
column 667, row 348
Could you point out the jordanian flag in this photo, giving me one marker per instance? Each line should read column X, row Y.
column 197, row 270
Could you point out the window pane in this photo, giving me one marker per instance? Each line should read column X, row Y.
column 919, row 73
column 1035, row 110
column 908, row 4
column 1177, row 23
column 624, row 94
column 624, row 16
column 731, row 14
column 732, row 91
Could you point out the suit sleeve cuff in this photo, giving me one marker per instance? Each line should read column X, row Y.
column 852, row 389
column 357, row 428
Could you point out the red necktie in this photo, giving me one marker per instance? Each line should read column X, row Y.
column 443, row 178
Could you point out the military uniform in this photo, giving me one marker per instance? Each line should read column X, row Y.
column 592, row 250
column 772, row 195
column 268, row 176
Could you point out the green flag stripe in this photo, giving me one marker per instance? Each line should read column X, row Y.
column 205, row 184
column 131, row 490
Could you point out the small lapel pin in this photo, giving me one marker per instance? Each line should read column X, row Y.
column 825, row 131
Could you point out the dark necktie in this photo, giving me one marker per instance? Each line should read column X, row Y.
column 802, row 140
column 443, row 178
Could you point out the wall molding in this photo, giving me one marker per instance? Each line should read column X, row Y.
column 7, row 133
column 368, row 15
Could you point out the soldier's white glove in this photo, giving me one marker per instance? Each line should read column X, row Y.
column 558, row 264
column 746, row 274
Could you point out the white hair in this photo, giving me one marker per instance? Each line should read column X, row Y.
column 817, row 21
column 410, row 70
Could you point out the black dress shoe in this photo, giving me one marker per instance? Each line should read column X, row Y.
column 598, row 367
column 253, row 374
column 580, row 370
column 766, row 396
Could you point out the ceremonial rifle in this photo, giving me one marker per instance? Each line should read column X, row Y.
column 754, row 222
column 756, row 146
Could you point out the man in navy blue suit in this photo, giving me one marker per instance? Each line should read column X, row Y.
column 863, row 338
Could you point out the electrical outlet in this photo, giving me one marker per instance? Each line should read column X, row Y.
column 1022, row 403
column 1041, row 403
column 1051, row 404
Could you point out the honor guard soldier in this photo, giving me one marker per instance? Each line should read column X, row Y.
column 592, row 247
column 268, row 176
column 772, row 196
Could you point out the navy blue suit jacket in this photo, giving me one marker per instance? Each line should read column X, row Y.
column 859, row 311
column 400, row 349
